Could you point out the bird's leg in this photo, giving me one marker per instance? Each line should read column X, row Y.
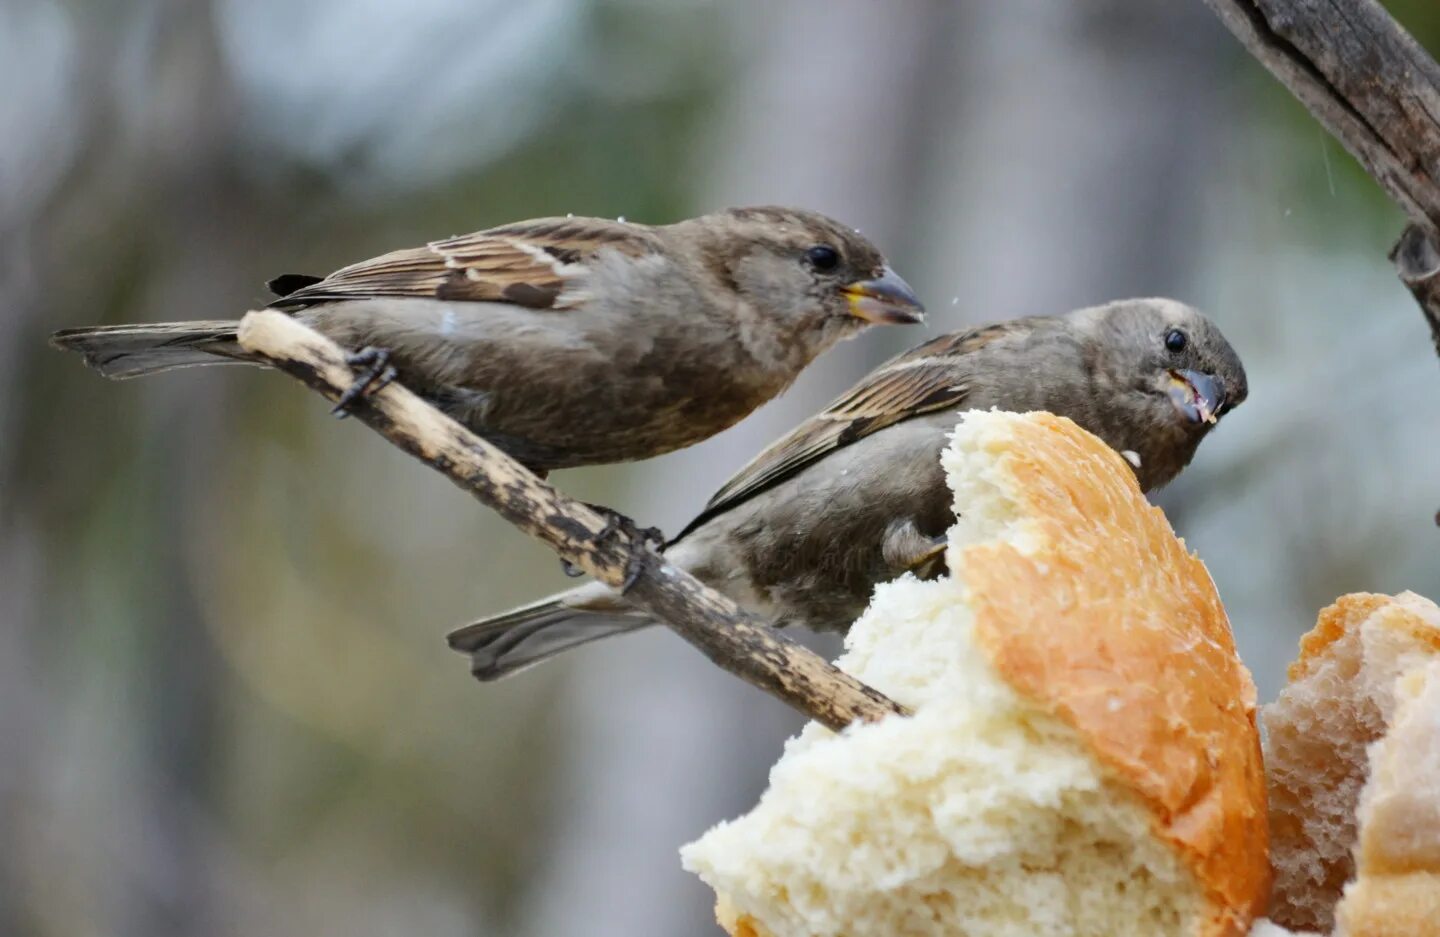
column 638, row 537
column 378, row 373
column 906, row 549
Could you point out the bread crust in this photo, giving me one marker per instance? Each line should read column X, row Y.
column 1163, row 699
column 1335, row 621
column 1405, row 614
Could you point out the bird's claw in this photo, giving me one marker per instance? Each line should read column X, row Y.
column 906, row 549
column 638, row 538
column 641, row 538
column 377, row 374
column 931, row 563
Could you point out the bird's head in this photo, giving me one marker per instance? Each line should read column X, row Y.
column 1172, row 375
column 819, row 280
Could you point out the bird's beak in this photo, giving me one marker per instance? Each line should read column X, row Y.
column 1199, row 397
column 885, row 300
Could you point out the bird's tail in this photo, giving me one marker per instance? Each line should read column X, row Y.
column 509, row 643
column 121, row 351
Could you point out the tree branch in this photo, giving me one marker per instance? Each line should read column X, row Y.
column 1375, row 89
column 731, row 637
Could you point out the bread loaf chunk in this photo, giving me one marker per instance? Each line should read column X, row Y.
column 1339, row 701
column 1396, row 892
column 1082, row 759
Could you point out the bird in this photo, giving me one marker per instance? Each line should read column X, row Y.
column 855, row 495
column 573, row 341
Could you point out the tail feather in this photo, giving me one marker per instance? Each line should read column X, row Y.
column 121, row 351
column 510, row 643
column 287, row 283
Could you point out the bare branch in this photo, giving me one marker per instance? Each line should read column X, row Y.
column 1372, row 86
column 731, row 637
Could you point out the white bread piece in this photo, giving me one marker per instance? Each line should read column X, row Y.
column 1083, row 757
column 1396, row 892
column 1339, row 700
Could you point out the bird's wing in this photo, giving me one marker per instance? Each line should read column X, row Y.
column 536, row 264
column 927, row 378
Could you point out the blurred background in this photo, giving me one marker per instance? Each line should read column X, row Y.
column 225, row 702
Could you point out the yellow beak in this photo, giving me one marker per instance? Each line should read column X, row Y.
column 884, row 300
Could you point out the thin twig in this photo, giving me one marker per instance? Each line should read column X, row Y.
column 731, row 637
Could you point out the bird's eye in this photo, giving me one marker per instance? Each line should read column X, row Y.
column 822, row 257
column 1175, row 340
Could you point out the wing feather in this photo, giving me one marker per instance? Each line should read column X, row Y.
column 532, row 264
column 927, row 378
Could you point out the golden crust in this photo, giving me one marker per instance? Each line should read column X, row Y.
column 1333, row 623
column 1163, row 698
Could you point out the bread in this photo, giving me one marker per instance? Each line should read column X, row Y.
column 1082, row 759
column 1339, row 700
column 1396, row 892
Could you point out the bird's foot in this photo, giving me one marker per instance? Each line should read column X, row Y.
column 378, row 373
column 906, row 549
column 638, row 537
column 930, row 564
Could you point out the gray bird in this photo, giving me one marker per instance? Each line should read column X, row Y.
column 574, row 341
column 855, row 496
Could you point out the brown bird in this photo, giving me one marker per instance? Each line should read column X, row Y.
column 855, row 496
column 574, row 341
